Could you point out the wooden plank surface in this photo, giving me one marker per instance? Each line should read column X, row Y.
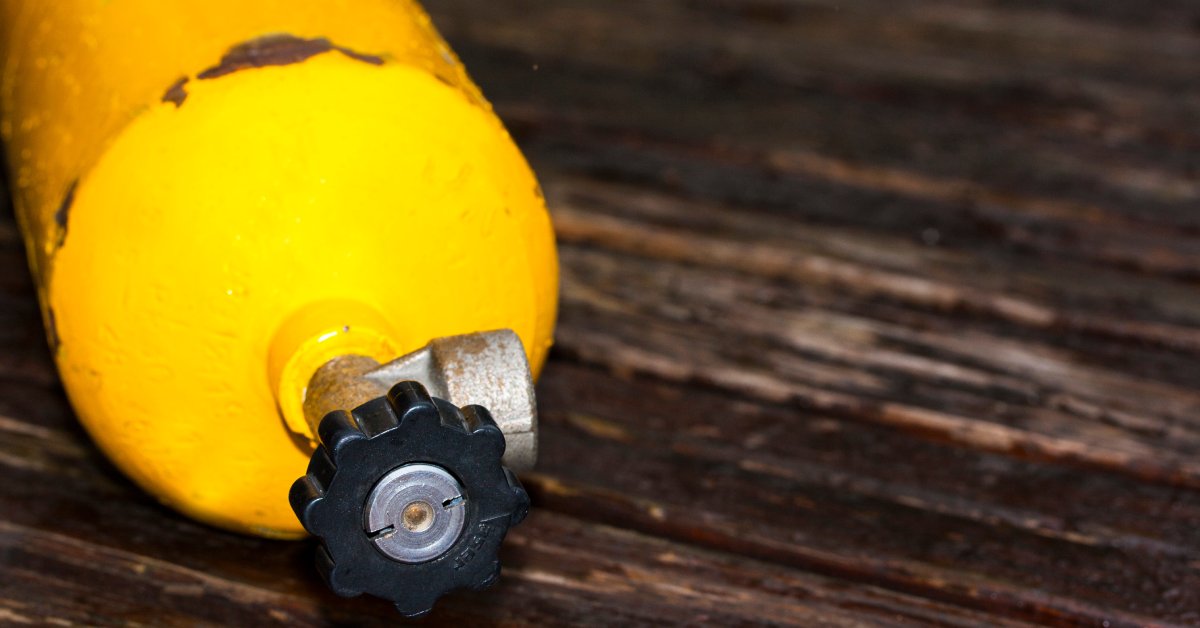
column 873, row 313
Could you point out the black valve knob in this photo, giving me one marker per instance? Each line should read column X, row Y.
column 409, row 498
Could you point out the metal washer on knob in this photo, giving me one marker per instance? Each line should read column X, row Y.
column 415, row 513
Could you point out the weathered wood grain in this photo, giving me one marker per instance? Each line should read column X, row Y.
column 837, row 496
column 873, row 313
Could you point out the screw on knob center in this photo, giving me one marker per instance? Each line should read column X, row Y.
column 415, row 513
column 417, row 517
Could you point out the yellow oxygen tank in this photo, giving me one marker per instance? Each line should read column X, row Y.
column 219, row 197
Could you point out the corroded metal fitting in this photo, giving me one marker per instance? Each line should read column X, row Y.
column 489, row 369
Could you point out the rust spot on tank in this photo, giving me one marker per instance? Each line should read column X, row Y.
column 358, row 56
column 278, row 50
column 176, row 94
column 64, row 211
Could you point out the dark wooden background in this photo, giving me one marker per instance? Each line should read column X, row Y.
column 873, row 312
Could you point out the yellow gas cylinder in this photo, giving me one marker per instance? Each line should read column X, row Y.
column 220, row 197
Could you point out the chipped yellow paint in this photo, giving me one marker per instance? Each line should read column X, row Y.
column 214, row 252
